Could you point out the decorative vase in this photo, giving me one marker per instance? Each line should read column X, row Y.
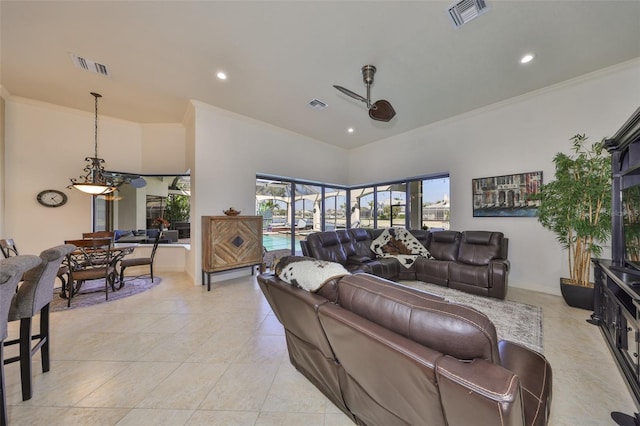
column 577, row 296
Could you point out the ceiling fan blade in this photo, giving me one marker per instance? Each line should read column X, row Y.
column 138, row 182
column 383, row 111
column 352, row 94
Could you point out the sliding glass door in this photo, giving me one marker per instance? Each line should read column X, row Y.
column 273, row 203
column 293, row 209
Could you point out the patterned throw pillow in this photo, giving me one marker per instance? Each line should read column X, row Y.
column 402, row 245
column 306, row 272
column 382, row 241
column 411, row 243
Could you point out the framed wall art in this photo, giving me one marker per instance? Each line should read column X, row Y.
column 506, row 196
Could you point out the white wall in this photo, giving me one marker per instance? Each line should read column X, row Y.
column 46, row 145
column 189, row 125
column 2, row 168
column 163, row 149
column 231, row 149
column 520, row 135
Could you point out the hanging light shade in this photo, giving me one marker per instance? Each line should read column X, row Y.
column 94, row 181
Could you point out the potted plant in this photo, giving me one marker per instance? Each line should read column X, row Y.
column 576, row 207
column 178, row 209
column 161, row 223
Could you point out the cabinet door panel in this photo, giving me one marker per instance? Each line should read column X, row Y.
column 231, row 242
column 629, row 341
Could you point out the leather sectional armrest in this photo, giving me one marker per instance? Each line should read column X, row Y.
column 485, row 390
column 504, row 263
column 535, row 375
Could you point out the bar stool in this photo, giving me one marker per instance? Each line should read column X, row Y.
column 11, row 271
column 33, row 298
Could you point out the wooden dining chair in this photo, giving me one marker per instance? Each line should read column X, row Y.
column 91, row 260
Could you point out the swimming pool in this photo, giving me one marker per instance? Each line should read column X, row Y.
column 280, row 242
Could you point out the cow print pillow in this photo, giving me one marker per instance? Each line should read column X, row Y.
column 401, row 242
column 306, row 272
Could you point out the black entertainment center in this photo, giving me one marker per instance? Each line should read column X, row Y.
column 617, row 281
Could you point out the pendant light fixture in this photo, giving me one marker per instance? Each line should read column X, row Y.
column 94, row 181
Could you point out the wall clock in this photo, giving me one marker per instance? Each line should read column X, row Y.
column 52, row 198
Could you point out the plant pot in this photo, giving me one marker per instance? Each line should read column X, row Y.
column 577, row 296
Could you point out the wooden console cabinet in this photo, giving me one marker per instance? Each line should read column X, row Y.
column 230, row 242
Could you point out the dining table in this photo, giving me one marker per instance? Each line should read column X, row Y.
column 118, row 251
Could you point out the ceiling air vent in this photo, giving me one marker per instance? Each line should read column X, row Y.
column 89, row 65
column 466, row 10
column 317, row 104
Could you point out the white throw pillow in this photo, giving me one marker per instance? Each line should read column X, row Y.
column 307, row 272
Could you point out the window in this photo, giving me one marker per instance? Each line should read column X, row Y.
column 292, row 209
column 335, row 208
column 140, row 199
column 363, row 207
column 435, row 203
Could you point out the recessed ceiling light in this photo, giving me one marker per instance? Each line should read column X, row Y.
column 526, row 58
column 350, row 130
column 221, row 75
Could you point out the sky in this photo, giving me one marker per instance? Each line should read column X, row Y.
column 434, row 190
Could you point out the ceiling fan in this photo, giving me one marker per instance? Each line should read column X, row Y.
column 119, row 178
column 380, row 110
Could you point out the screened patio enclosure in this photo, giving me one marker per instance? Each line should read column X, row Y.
column 292, row 209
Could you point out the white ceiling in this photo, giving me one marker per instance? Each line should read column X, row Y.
column 281, row 55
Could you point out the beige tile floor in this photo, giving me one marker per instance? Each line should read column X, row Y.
column 179, row 355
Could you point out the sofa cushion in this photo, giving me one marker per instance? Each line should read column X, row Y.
column 360, row 246
column 306, row 272
column 433, row 271
column 452, row 329
column 326, row 246
column 444, row 245
column 468, row 275
column 385, row 267
column 479, row 247
column 118, row 233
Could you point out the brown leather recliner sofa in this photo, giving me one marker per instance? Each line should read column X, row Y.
column 471, row 261
column 387, row 354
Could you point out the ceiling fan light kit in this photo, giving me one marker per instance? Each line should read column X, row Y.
column 380, row 110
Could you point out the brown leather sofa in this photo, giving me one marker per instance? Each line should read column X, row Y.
column 471, row 261
column 387, row 354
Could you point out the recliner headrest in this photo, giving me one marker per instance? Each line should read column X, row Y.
column 479, row 237
column 449, row 328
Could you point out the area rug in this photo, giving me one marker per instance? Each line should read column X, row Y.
column 92, row 293
column 518, row 322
